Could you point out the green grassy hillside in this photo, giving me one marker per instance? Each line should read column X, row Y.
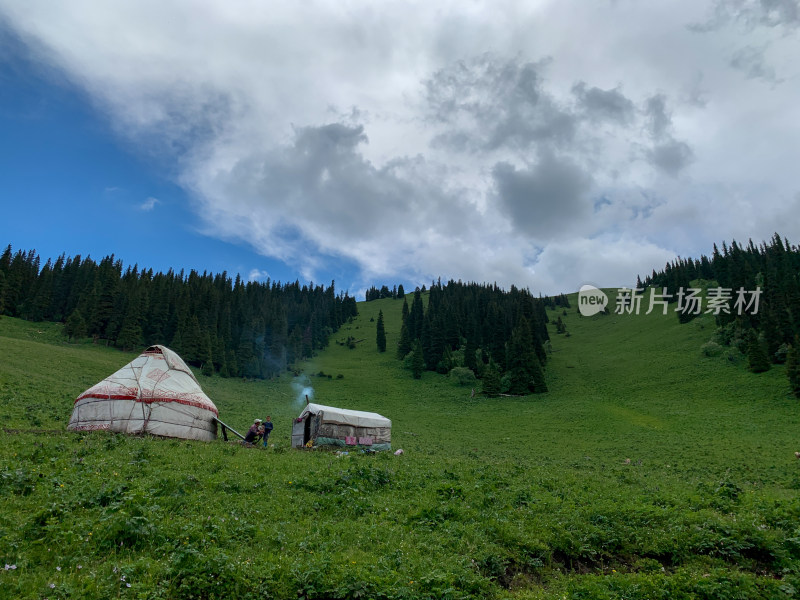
column 648, row 470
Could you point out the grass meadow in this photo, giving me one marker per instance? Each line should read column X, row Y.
column 649, row 470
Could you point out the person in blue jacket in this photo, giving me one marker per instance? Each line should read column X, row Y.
column 267, row 427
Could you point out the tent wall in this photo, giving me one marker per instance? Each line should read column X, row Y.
column 326, row 429
column 130, row 416
column 378, row 434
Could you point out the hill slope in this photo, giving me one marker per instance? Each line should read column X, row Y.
column 648, row 470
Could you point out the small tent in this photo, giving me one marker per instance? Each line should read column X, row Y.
column 329, row 426
column 155, row 393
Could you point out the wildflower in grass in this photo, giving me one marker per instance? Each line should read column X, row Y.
column 58, row 568
column 52, row 586
column 80, row 567
column 10, row 567
column 127, row 585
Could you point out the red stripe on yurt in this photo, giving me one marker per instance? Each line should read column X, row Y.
column 180, row 401
column 149, row 400
column 106, row 397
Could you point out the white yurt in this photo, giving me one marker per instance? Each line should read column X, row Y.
column 155, row 393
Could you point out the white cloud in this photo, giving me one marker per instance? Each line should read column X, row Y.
column 467, row 140
column 257, row 274
column 149, row 204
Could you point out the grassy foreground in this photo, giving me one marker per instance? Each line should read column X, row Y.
column 648, row 471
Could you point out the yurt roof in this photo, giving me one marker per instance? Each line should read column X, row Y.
column 146, row 379
column 343, row 416
column 172, row 359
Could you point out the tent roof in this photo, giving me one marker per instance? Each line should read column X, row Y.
column 172, row 359
column 157, row 375
column 343, row 416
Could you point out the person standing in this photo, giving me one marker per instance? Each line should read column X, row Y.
column 267, row 425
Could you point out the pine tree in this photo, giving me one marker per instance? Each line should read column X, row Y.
column 177, row 342
column 757, row 359
column 417, row 361
column 2, row 292
column 793, row 367
column 523, row 364
column 230, row 362
column 446, row 363
column 130, row 335
column 381, row 333
column 105, row 291
column 75, row 327
column 208, row 364
column 223, row 368
column 416, row 316
column 38, row 307
column 471, row 349
column 491, row 381
column 405, row 344
column 560, row 327
column 193, row 342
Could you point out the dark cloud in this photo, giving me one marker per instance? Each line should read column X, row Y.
column 324, row 175
column 659, row 122
column 780, row 12
column 667, row 154
column 670, row 157
column 604, row 105
column 751, row 14
column 754, row 18
column 546, row 200
column 488, row 103
column 751, row 62
column 319, row 193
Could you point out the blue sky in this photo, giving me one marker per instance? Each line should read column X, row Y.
column 400, row 142
column 71, row 185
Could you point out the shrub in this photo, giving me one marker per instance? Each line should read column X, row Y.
column 463, row 375
column 757, row 359
column 793, row 369
column 711, row 348
column 780, row 354
column 194, row 574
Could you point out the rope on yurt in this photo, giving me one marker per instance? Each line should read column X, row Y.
column 163, row 377
column 133, row 404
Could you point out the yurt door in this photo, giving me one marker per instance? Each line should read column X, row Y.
column 298, row 429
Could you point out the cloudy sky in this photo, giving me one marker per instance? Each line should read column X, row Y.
column 543, row 144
